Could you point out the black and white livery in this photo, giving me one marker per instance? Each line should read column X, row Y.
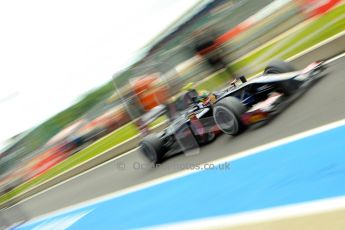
column 240, row 105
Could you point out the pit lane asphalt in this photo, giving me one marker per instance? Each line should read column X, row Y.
column 322, row 104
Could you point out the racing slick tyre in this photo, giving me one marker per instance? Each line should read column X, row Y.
column 152, row 148
column 278, row 66
column 227, row 115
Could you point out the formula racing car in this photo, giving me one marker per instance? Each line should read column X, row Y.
column 242, row 104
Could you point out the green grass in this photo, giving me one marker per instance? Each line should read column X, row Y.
column 295, row 38
column 215, row 82
column 124, row 133
column 339, row 26
column 118, row 136
column 94, row 149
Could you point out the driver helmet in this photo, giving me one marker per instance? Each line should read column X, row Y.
column 203, row 95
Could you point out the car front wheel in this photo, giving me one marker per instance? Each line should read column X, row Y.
column 152, row 148
column 227, row 113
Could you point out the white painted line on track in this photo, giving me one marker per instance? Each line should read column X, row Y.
column 335, row 58
column 74, row 177
column 173, row 176
column 316, row 46
column 260, row 216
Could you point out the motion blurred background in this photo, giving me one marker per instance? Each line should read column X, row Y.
column 209, row 45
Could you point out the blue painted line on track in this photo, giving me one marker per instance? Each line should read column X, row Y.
column 308, row 169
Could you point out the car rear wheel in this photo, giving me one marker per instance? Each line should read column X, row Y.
column 152, row 148
column 227, row 115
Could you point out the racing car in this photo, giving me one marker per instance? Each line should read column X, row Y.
column 231, row 110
